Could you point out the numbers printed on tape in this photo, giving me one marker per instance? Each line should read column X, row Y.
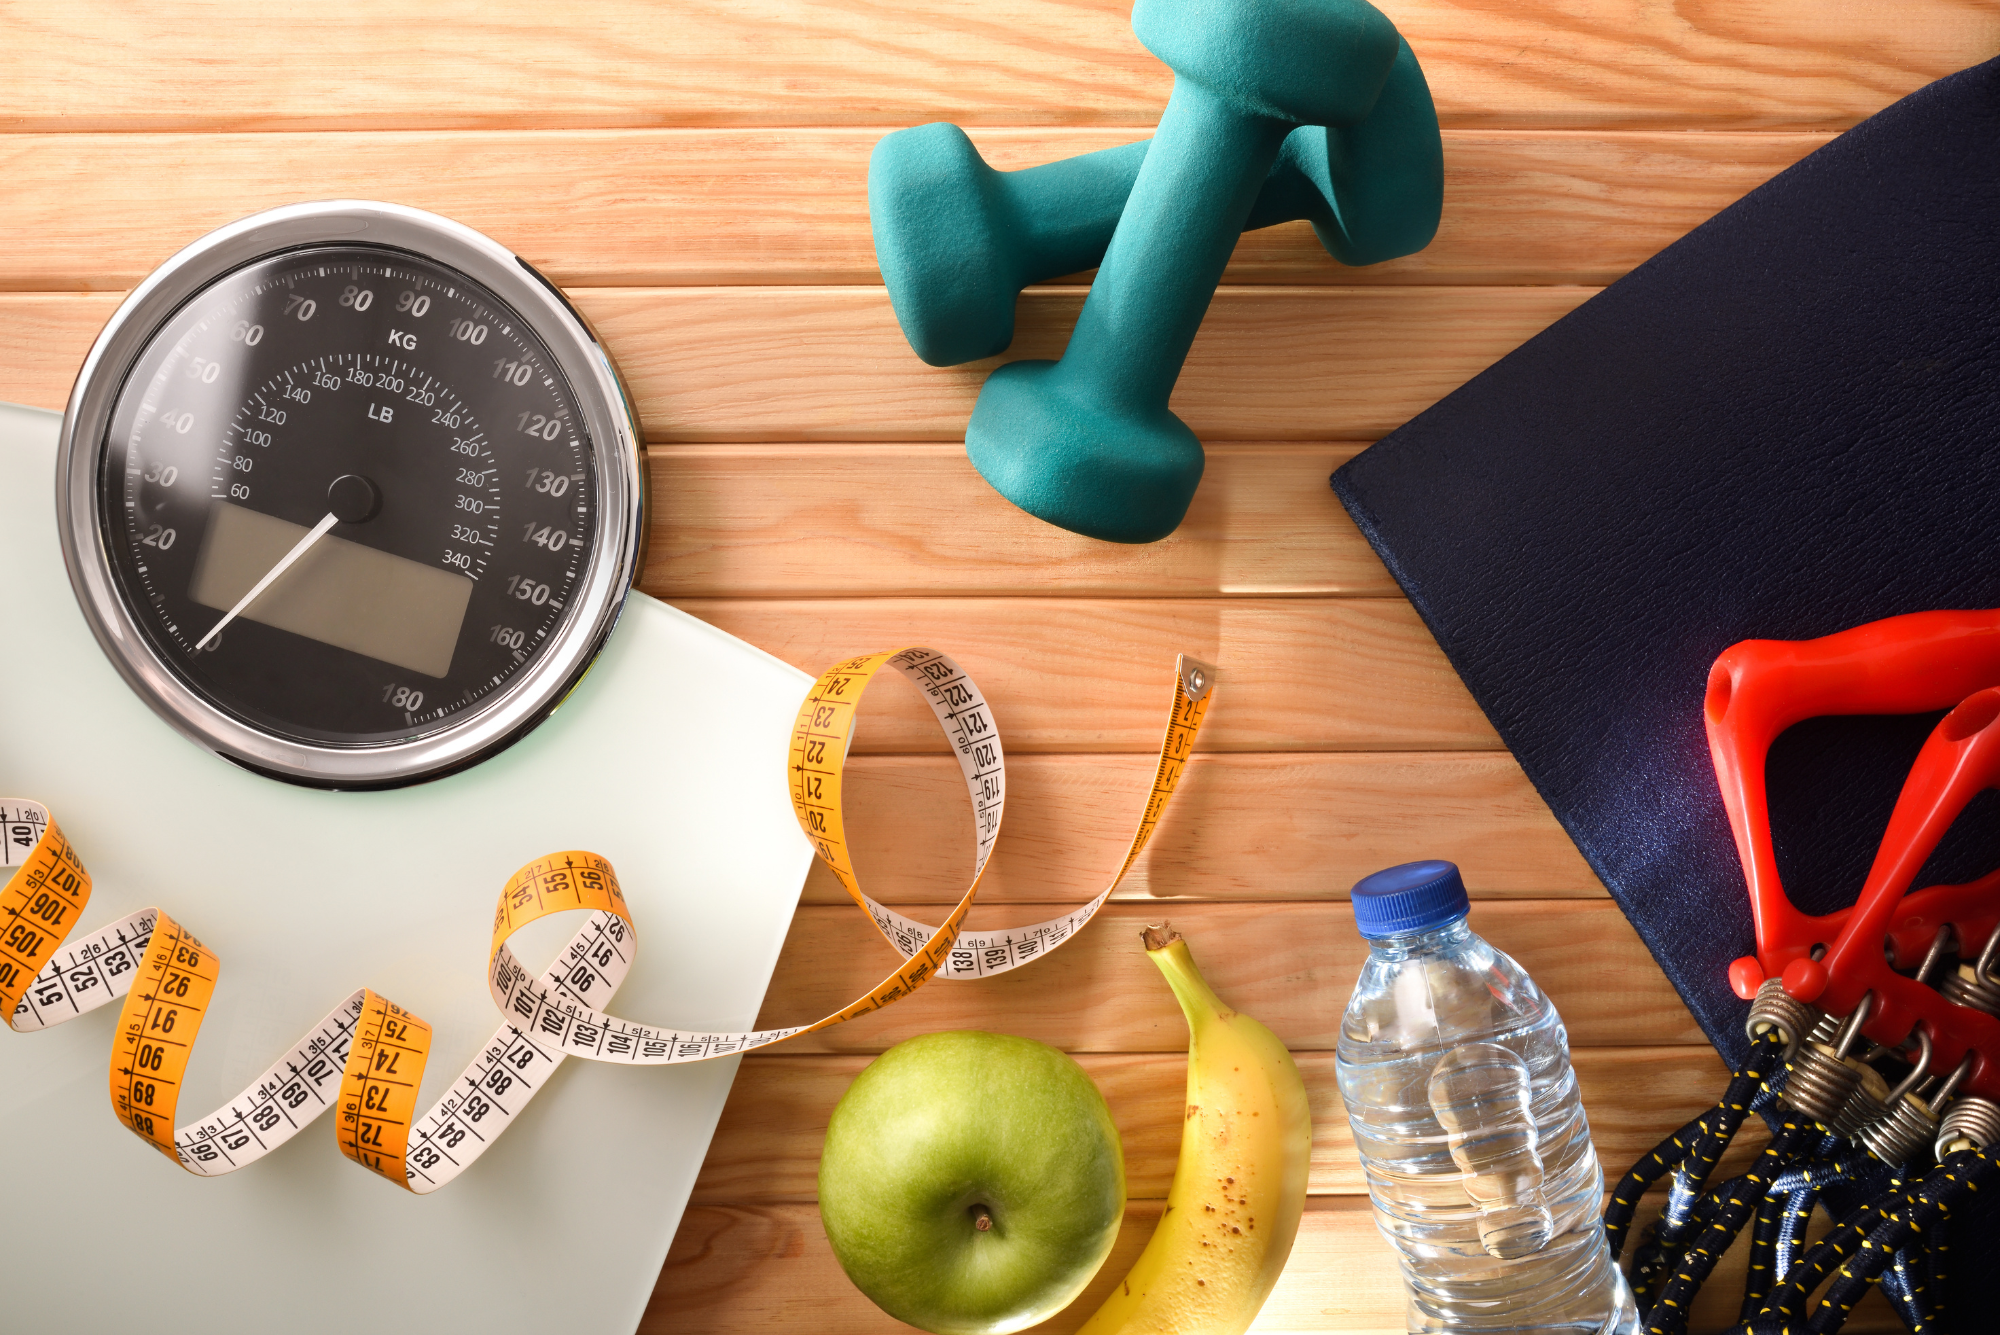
column 367, row 1057
column 819, row 753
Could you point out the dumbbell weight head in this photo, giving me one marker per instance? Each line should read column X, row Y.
column 1088, row 442
column 1049, row 445
column 957, row 241
column 1306, row 62
column 1372, row 191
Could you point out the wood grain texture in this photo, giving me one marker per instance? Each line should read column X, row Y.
column 103, row 65
column 1270, row 363
column 763, row 364
column 1241, row 827
column 768, row 1268
column 1289, row 964
column 1085, row 674
column 653, row 208
column 767, row 1146
column 770, row 520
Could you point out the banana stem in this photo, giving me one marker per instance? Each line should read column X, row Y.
column 1166, row 948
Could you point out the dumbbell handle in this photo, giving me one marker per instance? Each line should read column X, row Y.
column 1193, row 194
column 1372, row 191
column 954, row 286
column 1063, row 213
column 1386, row 175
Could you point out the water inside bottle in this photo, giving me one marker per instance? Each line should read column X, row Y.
column 1480, row 1094
column 1448, row 1040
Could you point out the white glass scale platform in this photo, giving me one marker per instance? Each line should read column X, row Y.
column 668, row 759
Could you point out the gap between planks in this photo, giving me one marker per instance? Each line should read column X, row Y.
column 766, row 364
column 1093, row 675
column 767, row 1145
column 1243, row 826
column 770, row 520
column 1291, row 964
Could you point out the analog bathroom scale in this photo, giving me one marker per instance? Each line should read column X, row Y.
column 319, row 627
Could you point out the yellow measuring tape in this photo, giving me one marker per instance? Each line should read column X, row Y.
column 366, row 1059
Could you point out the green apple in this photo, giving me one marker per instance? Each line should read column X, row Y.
column 972, row 1183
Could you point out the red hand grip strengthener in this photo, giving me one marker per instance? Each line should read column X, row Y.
column 1901, row 665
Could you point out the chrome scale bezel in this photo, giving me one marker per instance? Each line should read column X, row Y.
column 594, row 606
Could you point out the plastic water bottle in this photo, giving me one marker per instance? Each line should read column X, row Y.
column 1455, row 1071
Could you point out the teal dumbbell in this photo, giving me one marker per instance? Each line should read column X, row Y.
column 957, row 240
column 1088, row 442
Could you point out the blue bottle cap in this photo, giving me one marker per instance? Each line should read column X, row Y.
column 1414, row 897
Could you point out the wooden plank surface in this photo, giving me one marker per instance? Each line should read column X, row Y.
column 1244, row 826
column 771, row 520
column 654, row 208
column 105, row 65
column 1084, row 674
column 760, row 364
column 1290, row 964
column 1270, row 363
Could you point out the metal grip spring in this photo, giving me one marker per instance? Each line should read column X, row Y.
column 1818, row 1084
column 1972, row 1120
column 1868, row 1103
column 1777, row 1009
column 1825, row 1029
column 1964, row 986
column 1821, row 1082
column 1901, row 1134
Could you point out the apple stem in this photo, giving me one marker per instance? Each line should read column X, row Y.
column 982, row 1220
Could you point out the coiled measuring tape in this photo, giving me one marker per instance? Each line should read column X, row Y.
column 366, row 1059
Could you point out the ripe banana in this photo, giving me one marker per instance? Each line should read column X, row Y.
column 1240, row 1185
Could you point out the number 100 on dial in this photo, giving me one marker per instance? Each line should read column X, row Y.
column 356, row 509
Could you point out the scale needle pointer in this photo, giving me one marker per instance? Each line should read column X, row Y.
column 318, row 530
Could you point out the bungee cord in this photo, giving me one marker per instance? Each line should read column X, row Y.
column 1830, row 1129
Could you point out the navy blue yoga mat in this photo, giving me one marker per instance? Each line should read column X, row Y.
column 1785, row 424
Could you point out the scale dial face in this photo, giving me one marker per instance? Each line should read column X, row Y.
column 344, row 506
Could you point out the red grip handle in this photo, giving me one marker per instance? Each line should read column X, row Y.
column 1901, row 665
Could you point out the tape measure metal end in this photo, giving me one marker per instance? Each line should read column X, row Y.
column 1197, row 677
